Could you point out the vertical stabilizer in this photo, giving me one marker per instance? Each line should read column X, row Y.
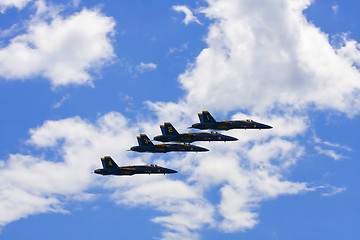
column 144, row 140
column 207, row 118
column 108, row 163
column 169, row 129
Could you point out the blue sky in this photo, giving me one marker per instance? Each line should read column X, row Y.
column 80, row 80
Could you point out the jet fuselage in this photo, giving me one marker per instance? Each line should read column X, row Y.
column 227, row 125
column 193, row 137
column 163, row 148
column 136, row 169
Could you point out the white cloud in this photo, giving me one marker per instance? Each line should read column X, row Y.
column 176, row 198
column 258, row 62
column 5, row 4
column 350, row 51
column 189, row 16
column 331, row 144
column 329, row 152
column 333, row 191
column 63, row 50
column 144, row 67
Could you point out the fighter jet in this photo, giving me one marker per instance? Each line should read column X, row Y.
column 208, row 122
column 111, row 168
column 145, row 145
column 169, row 134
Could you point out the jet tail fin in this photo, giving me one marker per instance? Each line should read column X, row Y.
column 206, row 117
column 143, row 140
column 169, row 129
column 108, row 163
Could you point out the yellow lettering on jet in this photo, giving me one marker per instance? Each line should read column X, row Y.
column 170, row 129
column 110, row 163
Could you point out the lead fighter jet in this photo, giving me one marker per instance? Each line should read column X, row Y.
column 145, row 145
column 111, row 168
column 169, row 134
column 208, row 122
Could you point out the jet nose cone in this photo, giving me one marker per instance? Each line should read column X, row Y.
column 264, row 126
column 203, row 149
column 231, row 138
column 168, row 170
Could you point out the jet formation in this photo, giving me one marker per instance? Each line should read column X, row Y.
column 170, row 134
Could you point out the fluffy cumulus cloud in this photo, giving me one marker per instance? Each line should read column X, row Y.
column 258, row 60
column 63, row 50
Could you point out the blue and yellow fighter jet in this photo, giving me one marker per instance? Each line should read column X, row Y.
column 145, row 145
column 208, row 122
column 111, row 168
column 169, row 134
